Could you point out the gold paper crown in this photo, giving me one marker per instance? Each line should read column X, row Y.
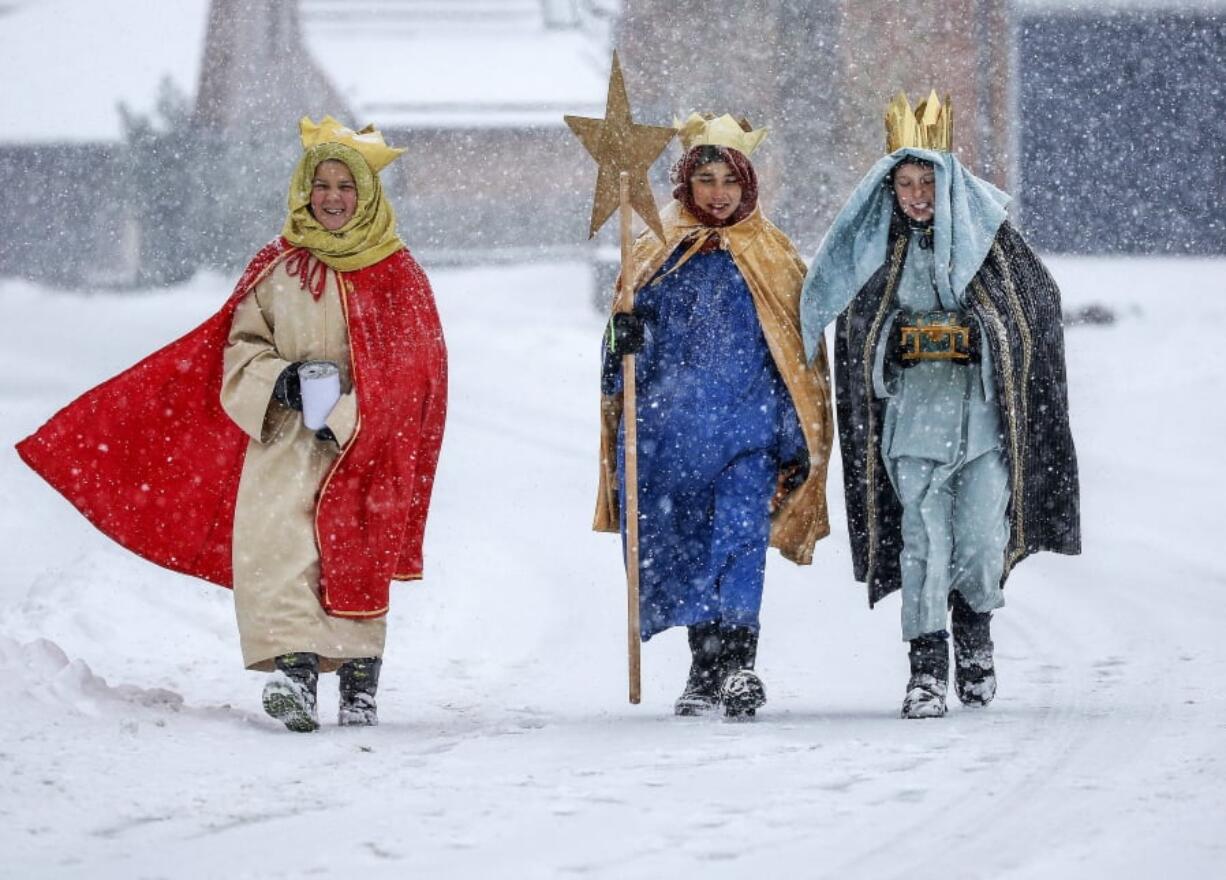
column 368, row 142
column 929, row 127
column 721, row 131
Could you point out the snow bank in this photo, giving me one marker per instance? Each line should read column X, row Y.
column 41, row 672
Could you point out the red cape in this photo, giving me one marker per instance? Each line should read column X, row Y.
column 151, row 458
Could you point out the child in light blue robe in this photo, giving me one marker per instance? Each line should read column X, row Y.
column 941, row 446
column 957, row 463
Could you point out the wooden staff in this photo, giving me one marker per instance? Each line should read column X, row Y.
column 633, row 642
column 624, row 151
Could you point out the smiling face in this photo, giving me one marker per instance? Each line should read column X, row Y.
column 915, row 187
column 334, row 195
column 716, row 189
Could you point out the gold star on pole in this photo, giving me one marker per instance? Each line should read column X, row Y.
column 619, row 144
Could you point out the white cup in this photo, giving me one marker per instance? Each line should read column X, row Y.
column 321, row 389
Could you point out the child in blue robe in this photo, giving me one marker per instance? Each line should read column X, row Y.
column 721, row 448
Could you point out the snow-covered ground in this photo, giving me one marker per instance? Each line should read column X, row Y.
column 132, row 742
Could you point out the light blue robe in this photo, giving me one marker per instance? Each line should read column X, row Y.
column 941, row 445
column 940, row 438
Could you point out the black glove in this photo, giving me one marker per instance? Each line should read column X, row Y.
column 795, row 472
column 896, row 351
column 974, row 348
column 288, row 390
column 627, row 333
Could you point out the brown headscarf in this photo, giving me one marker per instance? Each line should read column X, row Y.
column 701, row 155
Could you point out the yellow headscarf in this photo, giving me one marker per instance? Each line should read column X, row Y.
column 370, row 234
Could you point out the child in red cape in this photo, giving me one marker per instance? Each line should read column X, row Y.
column 199, row 458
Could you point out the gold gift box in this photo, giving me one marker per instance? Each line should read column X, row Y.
column 937, row 336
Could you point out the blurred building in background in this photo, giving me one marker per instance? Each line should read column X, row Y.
column 166, row 144
column 475, row 90
column 1123, row 126
column 73, row 68
column 819, row 75
column 1104, row 118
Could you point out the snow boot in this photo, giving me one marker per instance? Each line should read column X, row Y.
column 742, row 691
column 359, row 682
column 974, row 667
column 289, row 696
column 701, row 694
column 929, row 677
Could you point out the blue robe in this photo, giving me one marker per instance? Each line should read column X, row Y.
column 715, row 423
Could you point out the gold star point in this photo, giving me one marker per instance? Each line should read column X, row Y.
column 618, row 144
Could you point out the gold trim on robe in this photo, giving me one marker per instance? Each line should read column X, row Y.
column 774, row 273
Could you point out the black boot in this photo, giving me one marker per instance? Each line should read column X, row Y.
column 359, row 682
column 742, row 691
column 929, row 677
column 289, row 696
column 701, row 694
column 974, row 667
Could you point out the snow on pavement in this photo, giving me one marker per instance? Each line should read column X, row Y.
column 133, row 744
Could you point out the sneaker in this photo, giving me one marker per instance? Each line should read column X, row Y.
column 291, row 703
column 974, row 667
column 742, row 694
column 925, row 697
column 698, row 698
column 701, row 694
column 974, row 676
column 360, row 711
column 359, row 682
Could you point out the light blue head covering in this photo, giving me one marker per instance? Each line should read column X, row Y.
column 967, row 213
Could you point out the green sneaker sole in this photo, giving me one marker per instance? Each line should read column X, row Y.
column 289, row 711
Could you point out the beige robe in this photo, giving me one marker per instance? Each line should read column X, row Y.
column 276, row 558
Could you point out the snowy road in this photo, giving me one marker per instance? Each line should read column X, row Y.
column 133, row 745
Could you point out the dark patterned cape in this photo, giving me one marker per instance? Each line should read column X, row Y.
column 1019, row 306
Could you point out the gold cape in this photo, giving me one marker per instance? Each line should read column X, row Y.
column 774, row 274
